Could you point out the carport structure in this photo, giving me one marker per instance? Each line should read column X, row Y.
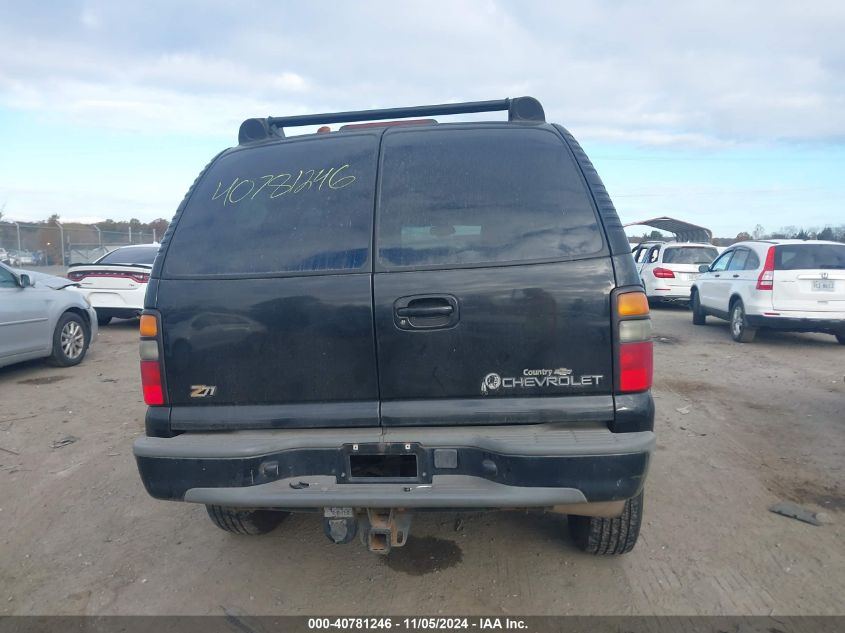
column 683, row 231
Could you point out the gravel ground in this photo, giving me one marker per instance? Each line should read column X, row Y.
column 740, row 427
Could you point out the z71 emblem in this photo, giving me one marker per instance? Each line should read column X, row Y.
column 203, row 391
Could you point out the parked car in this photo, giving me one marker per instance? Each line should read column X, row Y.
column 408, row 316
column 115, row 283
column 40, row 316
column 793, row 285
column 4, row 256
column 667, row 270
column 20, row 258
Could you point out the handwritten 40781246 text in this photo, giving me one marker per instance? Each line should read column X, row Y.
column 276, row 185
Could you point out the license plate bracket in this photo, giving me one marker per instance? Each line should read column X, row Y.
column 385, row 463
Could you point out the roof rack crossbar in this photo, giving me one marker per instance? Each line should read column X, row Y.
column 519, row 109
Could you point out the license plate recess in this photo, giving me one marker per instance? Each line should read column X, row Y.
column 385, row 463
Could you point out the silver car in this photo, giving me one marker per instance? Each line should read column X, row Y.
column 41, row 316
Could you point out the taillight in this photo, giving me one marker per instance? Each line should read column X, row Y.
column 766, row 280
column 151, row 370
column 151, row 382
column 663, row 273
column 635, row 354
column 141, row 278
column 636, row 366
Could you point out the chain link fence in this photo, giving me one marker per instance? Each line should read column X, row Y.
column 44, row 244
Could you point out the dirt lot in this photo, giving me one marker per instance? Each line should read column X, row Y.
column 739, row 428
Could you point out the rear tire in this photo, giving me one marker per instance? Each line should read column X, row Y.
column 698, row 315
column 103, row 320
column 608, row 537
column 740, row 331
column 239, row 521
column 70, row 340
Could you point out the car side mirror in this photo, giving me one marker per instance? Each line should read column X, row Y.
column 703, row 268
column 25, row 281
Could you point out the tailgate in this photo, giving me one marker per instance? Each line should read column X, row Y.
column 809, row 290
column 809, row 277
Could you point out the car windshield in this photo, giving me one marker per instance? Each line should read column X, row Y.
column 133, row 255
column 689, row 255
column 810, row 256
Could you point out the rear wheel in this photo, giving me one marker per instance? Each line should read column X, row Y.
column 240, row 521
column 103, row 320
column 740, row 331
column 698, row 315
column 605, row 537
column 70, row 340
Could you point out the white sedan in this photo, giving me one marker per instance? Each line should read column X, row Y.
column 40, row 317
column 116, row 283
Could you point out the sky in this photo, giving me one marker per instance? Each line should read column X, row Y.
column 720, row 113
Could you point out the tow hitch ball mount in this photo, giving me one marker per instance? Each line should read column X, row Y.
column 381, row 529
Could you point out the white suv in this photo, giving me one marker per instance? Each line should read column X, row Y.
column 792, row 285
column 667, row 270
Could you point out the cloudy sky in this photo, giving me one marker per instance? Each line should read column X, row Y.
column 724, row 113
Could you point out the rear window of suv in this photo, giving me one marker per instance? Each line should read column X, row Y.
column 689, row 255
column 809, row 256
column 294, row 207
column 475, row 196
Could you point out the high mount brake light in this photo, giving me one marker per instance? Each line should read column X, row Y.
column 634, row 352
column 663, row 273
column 766, row 280
column 355, row 126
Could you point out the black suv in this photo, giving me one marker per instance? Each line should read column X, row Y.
column 396, row 316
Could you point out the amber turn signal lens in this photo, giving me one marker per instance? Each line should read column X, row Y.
column 149, row 325
column 632, row 304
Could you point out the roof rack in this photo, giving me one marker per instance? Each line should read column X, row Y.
column 526, row 109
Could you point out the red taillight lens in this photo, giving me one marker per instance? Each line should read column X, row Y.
column 75, row 276
column 766, row 280
column 663, row 273
column 141, row 278
column 636, row 366
column 151, row 382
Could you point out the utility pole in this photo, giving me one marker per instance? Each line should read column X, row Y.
column 62, row 238
column 18, row 226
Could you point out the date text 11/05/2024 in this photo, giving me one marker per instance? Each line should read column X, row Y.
column 277, row 185
column 417, row 623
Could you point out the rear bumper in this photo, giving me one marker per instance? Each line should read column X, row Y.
column 673, row 292
column 798, row 324
column 458, row 467
column 118, row 302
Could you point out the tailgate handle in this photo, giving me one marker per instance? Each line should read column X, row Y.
column 425, row 311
